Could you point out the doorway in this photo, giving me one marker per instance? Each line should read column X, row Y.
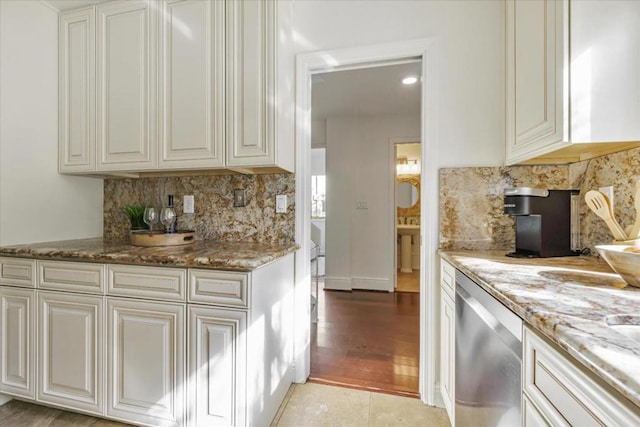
column 363, row 334
column 362, row 57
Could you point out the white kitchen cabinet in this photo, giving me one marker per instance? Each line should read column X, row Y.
column 565, row 393
column 145, row 362
column 192, row 82
column 18, row 272
column 447, row 338
column 76, row 86
column 70, row 351
column 260, row 85
column 126, row 85
column 573, row 79
column 531, row 416
column 17, row 337
column 217, row 366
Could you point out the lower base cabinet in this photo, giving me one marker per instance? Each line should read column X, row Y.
column 136, row 354
column 70, row 349
column 217, row 367
column 17, row 335
column 145, row 368
column 560, row 392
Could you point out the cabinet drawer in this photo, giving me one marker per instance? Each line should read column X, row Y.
column 568, row 394
column 18, row 272
column 217, row 287
column 447, row 278
column 147, row 282
column 71, row 276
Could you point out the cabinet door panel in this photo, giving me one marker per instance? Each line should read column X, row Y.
column 447, row 358
column 18, row 342
column 77, row 91
column 192, row 84
column 126, row 66
column 70, row 343
column 251, row 74
column 146, row 362
column 216, row 366
column 537, row 85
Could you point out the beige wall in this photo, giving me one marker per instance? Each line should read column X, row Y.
column 36, row 203
column 469, row 55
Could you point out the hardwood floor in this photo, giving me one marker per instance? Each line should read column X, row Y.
column 367, row 340
column 408, row 282
column 22, row 414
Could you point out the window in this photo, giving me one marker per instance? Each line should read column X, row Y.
column 318, row 196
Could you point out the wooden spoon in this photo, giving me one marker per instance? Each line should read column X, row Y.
column 635, row 231
column 600, row 205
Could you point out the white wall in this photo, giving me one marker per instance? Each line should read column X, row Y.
column 470, row 61
column 36, row 203
column 359, row 168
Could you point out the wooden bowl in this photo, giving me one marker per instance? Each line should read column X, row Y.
column 160, row 238
column 624, row 260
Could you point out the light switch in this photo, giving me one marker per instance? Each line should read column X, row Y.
column 362, row 204
column 608, row 191
column 281, row 203
column 188, row 204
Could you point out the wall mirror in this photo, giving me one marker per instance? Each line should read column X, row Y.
column 408, row 195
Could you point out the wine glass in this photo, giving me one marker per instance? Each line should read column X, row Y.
column 167, row 217
column 151, row 217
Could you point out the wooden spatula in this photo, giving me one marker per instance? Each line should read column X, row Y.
column 635, row 231
column 600, row 205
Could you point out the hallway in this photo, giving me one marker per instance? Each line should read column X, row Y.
column 367, row 340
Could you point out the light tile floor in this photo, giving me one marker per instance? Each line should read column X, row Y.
column 312, row 405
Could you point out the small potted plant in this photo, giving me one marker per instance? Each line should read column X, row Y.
column 135, row 213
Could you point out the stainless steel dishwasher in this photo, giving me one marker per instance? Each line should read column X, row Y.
column 488, row 359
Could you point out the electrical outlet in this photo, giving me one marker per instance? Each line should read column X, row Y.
column 608, row 191
column 188, row 204
column 362, row 204
column 281, row 203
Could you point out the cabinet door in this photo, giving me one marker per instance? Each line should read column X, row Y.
column 126, row 41
column 251, row 62
column 537, row 77
column 192, row 81
column 145, row 362
column 70, row 350
column 17, row 351
column 447, row 357
column 76, row 92
column 217, row 354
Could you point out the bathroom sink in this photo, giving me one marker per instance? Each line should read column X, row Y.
column 408, row 229
column 629, row 326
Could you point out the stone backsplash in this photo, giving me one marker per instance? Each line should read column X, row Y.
column 471, row 199
column 622, row 171
column 215, row 217
column 471, row 203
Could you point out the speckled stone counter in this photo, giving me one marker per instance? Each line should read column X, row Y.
column 567, row 300
column 232, row 256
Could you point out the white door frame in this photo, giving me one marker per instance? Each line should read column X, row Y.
column 362, row 57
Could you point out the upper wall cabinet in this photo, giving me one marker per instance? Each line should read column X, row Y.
column 126, row 98
column 160, row 85
column 192, row 84
column 76, row 127
column 573, row 79
column 260, row 84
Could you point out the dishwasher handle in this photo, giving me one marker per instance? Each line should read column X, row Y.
column 501, row 331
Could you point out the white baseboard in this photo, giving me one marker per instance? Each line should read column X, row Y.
column 372, row 284
column 337, row 283
column 4, row 399
column 439, row 403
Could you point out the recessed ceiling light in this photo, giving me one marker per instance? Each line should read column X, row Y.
column 410, row 80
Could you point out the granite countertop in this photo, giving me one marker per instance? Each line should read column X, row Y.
column 233, row 256
column 567, row 300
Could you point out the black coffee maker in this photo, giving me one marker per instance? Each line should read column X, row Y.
column 546, row 221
